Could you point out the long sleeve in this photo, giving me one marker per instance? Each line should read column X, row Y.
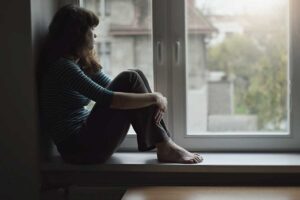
column 69, row 73
column 101, row 78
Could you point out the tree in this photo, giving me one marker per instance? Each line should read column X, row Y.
column 258, row 63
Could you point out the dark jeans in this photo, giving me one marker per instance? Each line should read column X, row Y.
column 106, row 128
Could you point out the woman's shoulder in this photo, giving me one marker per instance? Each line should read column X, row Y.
column 63, row 63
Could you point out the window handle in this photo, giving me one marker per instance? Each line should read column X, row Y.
column 177, row 52
column 159, row 52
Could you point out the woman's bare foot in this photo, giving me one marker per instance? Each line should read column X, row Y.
column 170, row 152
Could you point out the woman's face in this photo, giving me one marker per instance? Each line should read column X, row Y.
column 90, row 36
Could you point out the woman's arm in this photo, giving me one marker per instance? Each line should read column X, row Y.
column 70, row 74
column 101, row 78
column 121, row 100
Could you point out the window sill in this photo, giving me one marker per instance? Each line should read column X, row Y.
column 142, row 169
column 213, row 163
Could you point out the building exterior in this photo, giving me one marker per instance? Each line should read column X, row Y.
column 125, row 37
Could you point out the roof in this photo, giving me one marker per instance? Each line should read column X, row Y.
column 141, row 24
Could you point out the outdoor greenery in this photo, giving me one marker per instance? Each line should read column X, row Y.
column 257, row 63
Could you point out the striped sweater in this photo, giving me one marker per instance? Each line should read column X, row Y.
column 64, row 91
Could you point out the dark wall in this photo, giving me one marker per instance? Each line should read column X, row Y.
column 23, row 27
column 18, row 137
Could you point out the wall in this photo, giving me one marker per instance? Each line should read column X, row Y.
column 18, row 138
column 23, row 27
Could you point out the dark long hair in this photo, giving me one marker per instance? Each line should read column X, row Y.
column 66, row 36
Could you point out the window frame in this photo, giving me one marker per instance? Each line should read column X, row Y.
column 248, row 142
column 169, row 44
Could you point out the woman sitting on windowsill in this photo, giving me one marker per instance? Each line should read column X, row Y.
column 70, row 77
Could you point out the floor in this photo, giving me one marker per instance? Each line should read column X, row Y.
column 213, row 193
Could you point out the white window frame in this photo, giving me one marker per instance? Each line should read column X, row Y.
column 169, row 44
column 246, row 142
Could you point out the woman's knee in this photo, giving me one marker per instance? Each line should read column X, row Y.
column 130, row 77
column 128, row 81
column 129, row 74
column 138, row 71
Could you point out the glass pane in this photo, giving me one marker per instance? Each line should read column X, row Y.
column 124, row 36
column 237, row 64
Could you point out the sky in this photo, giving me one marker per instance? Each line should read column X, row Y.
column 232, row 7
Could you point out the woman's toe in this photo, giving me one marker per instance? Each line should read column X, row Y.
column 198, row 158
column 189, row 161
column 194, row 161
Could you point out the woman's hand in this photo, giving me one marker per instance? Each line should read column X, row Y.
column 162, row 105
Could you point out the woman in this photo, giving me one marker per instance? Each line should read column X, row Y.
column 70, row 76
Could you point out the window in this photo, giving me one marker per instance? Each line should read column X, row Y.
column 99, row 7
column 103, row 51
column 240, row 74
column 226, row 66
